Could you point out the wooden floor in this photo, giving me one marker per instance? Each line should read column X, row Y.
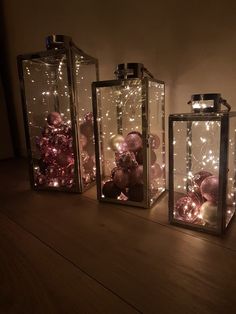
column 63, row 253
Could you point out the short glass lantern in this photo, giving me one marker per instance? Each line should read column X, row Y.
column 57, row 107
column 202, row 165
column 129, row 118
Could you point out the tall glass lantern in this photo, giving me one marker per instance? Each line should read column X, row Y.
column 57, row 107
column 129, row 133
column 202, row 165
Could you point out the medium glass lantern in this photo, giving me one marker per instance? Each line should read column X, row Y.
column 57, row 107
column 202, row 165
column 129, row 120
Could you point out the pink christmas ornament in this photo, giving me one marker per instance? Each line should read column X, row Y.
column 153, row 157
column 210, row 188
column 125, row 160
column 139, row 156
column 60, row 141
column 187, row 209
column 54, row 119
column 134, row 141
column 154, row 141
column 136, row 176
column 156, row 171
column 89, row 165
column 200, row 176
column 88, row 117
column 64, row 159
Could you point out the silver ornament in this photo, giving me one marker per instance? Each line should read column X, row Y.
column 208, row 212
column 116, row 142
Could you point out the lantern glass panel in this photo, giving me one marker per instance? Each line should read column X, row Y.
column 130, row 143
column 46, row 90
column 231, row 177
column 57, row 105
column 196, row 156
column 120, row 114
column 156, row 103
column 85, row 73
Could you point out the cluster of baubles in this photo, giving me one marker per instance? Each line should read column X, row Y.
column 200, row 204
column 126, row 182
column 56, row 164
column 88, row 165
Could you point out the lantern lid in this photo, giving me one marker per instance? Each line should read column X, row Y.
column 131, row 70
column 208, row 103
column 57, row 41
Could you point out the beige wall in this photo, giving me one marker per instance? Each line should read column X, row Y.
column 189, row 44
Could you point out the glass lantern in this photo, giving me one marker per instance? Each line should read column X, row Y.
column 57, row 107
column 202, row 165
column 129, row 135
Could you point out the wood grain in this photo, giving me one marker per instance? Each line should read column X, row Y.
column 153, row 266
column 34, row 279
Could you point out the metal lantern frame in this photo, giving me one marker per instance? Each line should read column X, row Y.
column 224, row 118
column 145, row 137
column 69, row 49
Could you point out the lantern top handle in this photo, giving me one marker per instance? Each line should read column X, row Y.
column 208, row 103
column 132, row 70
column 57, row 41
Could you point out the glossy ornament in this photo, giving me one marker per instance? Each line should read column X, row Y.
column 110, row 190
column 121, row 178
column 136, row 176
column 210, row 188
column 200, row 176
column 208, row 213
column 187, row 209
column 156, row 171
column 134, row 141
column 117, row 142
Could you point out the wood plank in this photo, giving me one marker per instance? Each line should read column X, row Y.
column 159, row 214
column 34, row 279
column 152, row 266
